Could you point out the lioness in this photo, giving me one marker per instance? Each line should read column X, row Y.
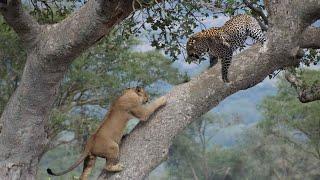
column 105, row 141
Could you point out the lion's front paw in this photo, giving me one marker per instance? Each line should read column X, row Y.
column 163, row 100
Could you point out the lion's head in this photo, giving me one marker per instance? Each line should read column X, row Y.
column 134, row 93
column 143, row 95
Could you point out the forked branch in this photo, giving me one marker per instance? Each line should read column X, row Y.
column 21, row 22
column 305, row 94
column 310, row 38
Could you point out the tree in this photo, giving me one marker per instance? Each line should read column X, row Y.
column 50, row 50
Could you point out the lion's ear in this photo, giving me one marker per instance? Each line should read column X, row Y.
column 139, row 89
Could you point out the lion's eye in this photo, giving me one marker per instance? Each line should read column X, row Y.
column 138, row 89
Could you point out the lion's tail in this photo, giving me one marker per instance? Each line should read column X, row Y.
column 82, row 157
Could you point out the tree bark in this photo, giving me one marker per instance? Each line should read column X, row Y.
column 51, row 48
column 310, row 38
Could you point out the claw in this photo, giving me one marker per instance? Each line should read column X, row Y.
column 225, row 79
column 115, row 168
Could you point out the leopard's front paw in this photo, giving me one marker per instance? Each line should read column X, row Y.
column 225, row 79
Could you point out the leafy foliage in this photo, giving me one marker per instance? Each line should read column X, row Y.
column 268, row 157
column 291, row 120
column 312, row 56
column 258, row 155
column 193, row 155
column 283, row 145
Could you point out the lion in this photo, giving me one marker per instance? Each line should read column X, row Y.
column 105, row 141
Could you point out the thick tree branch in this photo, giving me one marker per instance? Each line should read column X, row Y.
column 22, row 23
column 310, row 38
column 85, row 27
column 305, row 94
column 310, row 10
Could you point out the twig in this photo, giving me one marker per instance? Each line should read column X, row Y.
column 256, row 10
column 305, row 94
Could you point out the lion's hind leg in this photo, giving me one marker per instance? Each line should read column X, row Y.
column 109, row 149
column 112, row 158
column 88, row 164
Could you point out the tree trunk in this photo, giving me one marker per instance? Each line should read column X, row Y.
column 194, row 174
column 23, row 137
column 24, row 130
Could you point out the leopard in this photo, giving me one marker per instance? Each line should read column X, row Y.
column 221, row 42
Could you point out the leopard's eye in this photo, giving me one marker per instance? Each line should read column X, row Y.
column 195, row 55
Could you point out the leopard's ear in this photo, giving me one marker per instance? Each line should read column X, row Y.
column 191, row 41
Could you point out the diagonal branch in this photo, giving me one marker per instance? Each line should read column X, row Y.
column 294, row 80
column 21, row 22
column 148, row 144
column 305, row 94
column 86, row 26
column 310, row 38
column 310, row 94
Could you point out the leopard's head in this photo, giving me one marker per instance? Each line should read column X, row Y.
column 195, row 49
